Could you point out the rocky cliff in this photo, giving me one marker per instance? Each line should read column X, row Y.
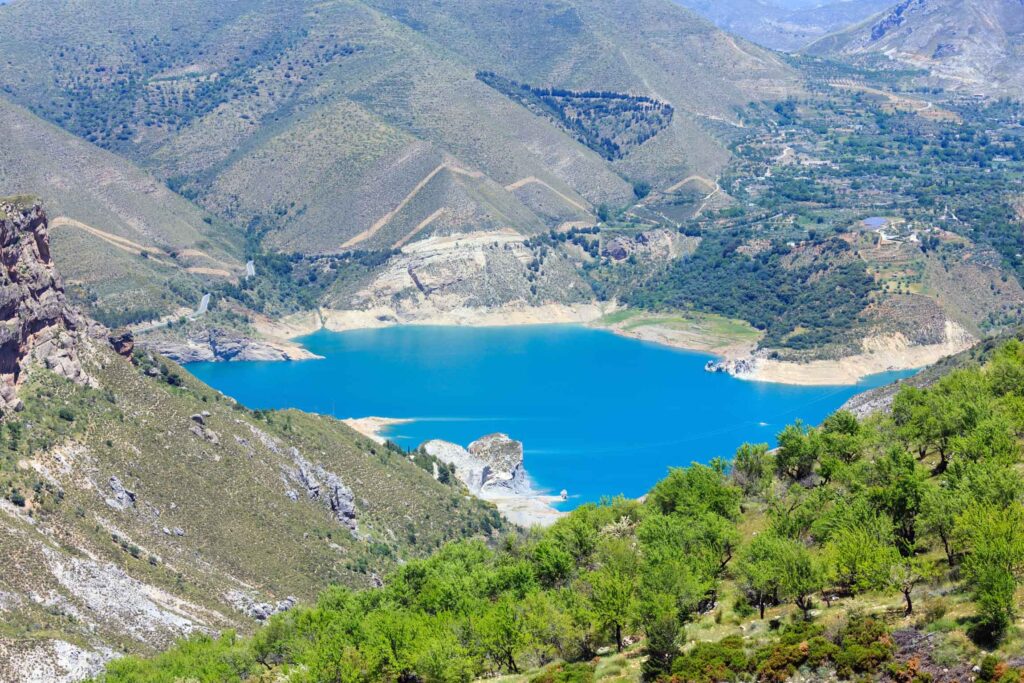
column 492, row 466
column 36, row 322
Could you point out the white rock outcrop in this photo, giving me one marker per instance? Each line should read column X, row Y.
column 492, row 465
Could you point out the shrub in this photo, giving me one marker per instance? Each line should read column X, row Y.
column 566, row 673
column 710, row 662
column 66, row 414
column 864, row 645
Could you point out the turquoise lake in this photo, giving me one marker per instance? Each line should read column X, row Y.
column 598, row 414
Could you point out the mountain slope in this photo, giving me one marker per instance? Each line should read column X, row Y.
column 785, row 25
column 344, row 110
column 973, row 46
column 119, row 234
column 138, row 505
column 650, row 47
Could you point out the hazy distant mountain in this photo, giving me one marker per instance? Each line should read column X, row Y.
column 785, row 24
column 976, row 46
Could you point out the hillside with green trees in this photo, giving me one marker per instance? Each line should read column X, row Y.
column 885, row 549
column 149, row 506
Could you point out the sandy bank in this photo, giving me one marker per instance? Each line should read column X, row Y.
column 689, row 341
column 881, row 354
column 374, row 427
column 508, row 315
column 513, row 314
column 693, row 332
column 528, row 510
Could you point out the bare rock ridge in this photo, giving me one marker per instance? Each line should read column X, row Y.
column 36, row 322
column 324, row 485
column 491, row 467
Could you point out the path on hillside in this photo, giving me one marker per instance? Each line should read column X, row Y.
column 120, row 242
column 535, row 180
column 708, row 183
column 389, row 216
column 157, row 254
column 419, row 228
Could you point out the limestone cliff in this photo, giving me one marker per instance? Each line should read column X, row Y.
column 36, row 322
column 492, row 466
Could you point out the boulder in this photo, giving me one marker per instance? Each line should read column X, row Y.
column 123, row 342
column 122, row 498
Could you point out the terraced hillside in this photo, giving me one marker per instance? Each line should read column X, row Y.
column 329, row 125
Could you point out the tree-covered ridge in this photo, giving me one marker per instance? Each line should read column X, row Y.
column 610, row 123
column 890, row 548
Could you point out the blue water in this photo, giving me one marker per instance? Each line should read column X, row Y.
column 599, row 414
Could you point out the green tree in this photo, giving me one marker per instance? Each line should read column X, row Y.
column 898, row 489
column 802, row 575
column 660, row 620
column 502, row 634
column 861, row 555
column 907, row 574
column 613, row 587
column 993, row 562
column 842, row 437
column 758, row 570
column 799, row 451
column 751, row 468
column 940, row 506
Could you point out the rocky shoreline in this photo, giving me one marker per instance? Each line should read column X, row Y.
column 217, row 345
column 492, row 469
column 880, row 354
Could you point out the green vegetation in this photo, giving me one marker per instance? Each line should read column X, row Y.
column 798, row 306
column 812, row 557
column 610, row 123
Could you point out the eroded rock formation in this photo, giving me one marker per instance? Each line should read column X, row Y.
column 36, row 322
column 223, row 345
column 491, row 466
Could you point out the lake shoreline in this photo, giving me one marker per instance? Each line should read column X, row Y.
column 375, row 428
column 879, row 357
column 572, row 394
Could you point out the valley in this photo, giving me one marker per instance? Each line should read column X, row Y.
column 546, row 341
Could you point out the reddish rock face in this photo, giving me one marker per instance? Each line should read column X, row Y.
column 36, row 322
column 123, row 342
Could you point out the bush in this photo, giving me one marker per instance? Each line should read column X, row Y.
column 710, row 662
column 799, row 645
column 66, row 414
column 566, row 673
column 864, row 645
